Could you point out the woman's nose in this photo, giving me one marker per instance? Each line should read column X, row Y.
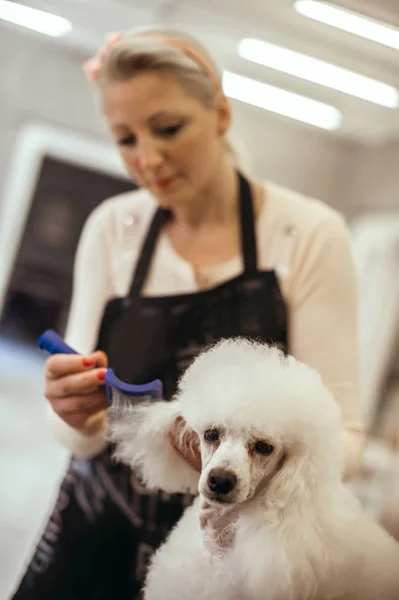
column 149, row 155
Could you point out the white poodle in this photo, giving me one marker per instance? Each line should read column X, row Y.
column 272, row 520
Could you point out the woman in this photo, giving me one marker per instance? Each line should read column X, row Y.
column 199, row 253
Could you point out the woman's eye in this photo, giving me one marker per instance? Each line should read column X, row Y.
column 171, row 130
column 263, row 447
column 211, row 436
column 126, row 141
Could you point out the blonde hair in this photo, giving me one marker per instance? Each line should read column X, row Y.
column 171, row 52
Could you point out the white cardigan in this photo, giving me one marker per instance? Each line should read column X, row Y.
column 307, row 244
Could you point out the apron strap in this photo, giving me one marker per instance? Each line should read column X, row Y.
column 147, row 250
column 248, row 237
column 248, row 234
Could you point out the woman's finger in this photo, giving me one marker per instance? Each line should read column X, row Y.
column 60, row 365
column 89, row 403
column 75, row 385
column 88, row 422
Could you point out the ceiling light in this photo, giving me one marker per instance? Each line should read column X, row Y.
column 350, row 22
column 281, row 101
column 34, row 19
column 318, row 71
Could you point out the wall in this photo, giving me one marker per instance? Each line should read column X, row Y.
column 41, row 80
column 374, row 184
column 299, row 157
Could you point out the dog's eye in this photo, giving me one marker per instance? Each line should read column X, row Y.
column 211, row 435
column 263, row 447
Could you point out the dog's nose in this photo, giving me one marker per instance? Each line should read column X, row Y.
column 221, row 481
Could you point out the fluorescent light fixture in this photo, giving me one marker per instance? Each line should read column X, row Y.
column 318, row 71
column 34, row 19
column 350, row 22
column 280, row 101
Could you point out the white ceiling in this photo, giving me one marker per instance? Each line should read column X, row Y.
column 221, row 23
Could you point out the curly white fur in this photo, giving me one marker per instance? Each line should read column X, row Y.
column 288, row 529
column 140, row 433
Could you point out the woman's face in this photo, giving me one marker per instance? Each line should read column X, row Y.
column 170, row 142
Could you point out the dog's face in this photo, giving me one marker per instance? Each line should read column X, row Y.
column 267, row 424
column 236, row 463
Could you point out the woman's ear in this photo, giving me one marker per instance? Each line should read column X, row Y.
column 224, row 114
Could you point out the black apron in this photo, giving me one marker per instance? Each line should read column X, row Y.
column 106, row 525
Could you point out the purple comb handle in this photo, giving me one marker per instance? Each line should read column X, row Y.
column 52, row 343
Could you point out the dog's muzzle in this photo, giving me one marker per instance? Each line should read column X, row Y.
column 221, row 482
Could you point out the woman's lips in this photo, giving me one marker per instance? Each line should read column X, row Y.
column 164, row 183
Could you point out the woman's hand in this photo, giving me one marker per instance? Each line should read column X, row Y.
column 73, row 385
column 185, row 441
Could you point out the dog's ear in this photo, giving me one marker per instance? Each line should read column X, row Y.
column 294, row 479
column 140, row 435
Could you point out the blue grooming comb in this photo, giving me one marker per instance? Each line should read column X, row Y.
column 52, row 343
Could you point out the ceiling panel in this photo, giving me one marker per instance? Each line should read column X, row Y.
column 221, row 23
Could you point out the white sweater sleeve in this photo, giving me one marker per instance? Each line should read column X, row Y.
column 323, row 322
column 92, row 288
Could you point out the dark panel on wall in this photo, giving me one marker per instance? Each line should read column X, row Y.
column 41, row 283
